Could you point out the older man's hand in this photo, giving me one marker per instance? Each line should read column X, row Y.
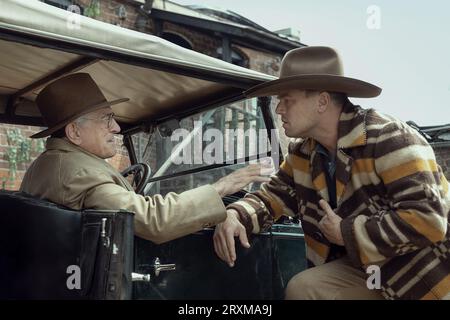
column 330, row 225
column 240, row 178
column 224, row 235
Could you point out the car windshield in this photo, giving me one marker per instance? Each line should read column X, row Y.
column 201, row 148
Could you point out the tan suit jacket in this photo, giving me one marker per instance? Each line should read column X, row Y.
column 68, row 175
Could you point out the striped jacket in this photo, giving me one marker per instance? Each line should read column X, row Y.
column 391, row 194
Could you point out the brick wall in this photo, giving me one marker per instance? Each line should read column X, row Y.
column 200, row 42
column 109, row 12
column 264, row 62
column 443, row 158
column 6, row 180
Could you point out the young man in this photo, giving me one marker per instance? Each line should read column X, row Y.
column 73, row 171
column 366, row 187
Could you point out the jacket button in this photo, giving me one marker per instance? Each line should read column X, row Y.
column 317, row 235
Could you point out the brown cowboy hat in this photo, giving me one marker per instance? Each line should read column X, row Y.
column 68, row 98
column 314, row 68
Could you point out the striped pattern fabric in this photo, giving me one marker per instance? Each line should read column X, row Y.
column 391, row 194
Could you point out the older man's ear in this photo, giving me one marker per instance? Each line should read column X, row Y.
column 73, row 133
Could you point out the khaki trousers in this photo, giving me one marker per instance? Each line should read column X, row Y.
column 336, row 280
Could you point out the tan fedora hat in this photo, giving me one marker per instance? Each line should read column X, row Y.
column 314, row 68
column 68, row 98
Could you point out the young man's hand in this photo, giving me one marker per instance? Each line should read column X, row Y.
column 224, row 243
column 330, row 225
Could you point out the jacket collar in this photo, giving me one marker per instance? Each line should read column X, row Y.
column 64, row 145
column 351, row 130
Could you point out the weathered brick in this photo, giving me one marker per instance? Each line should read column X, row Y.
column 4, row 164
column 3, row 139
column 443, row 159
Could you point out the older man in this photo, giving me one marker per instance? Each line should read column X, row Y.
column 366, row 187
column 72, row 171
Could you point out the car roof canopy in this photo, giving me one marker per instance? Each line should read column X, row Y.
column 40, row 43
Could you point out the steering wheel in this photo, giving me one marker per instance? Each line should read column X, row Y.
column 141, row 172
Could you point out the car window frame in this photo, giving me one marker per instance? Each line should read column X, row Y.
column 268, row 117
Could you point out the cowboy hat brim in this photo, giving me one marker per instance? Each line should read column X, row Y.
column 60, row 125
column 332, row 83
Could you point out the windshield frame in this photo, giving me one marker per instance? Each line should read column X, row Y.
column 263, row 103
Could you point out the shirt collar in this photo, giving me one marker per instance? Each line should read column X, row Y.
column 321, row 149
column 65, row 145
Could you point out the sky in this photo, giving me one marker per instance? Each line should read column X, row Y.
column 401, row 46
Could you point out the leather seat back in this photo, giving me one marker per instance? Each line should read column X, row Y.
column 51, row 252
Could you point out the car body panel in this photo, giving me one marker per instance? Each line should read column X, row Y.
column 261, row 272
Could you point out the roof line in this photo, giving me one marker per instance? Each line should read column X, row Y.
column 270, row 40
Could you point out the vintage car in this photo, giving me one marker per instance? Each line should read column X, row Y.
column 46, row 246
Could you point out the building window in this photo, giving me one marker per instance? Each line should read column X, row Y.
column 237, row 57
column 177, row 39
column 62, row 4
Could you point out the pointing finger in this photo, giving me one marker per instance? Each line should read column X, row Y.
column 326, row 207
